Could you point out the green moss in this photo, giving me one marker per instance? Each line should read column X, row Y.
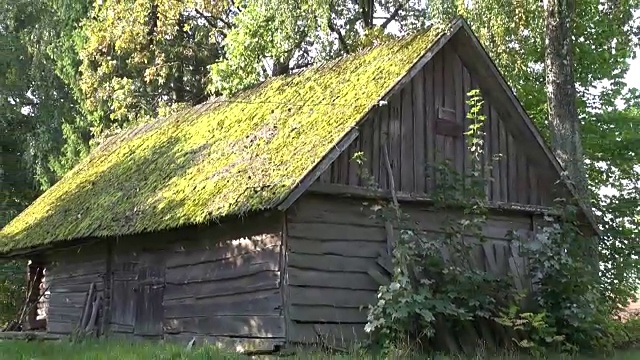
column 222, row 158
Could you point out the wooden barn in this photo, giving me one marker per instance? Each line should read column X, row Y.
column 242, row 221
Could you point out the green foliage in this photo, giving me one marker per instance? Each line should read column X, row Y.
column 566, row 281
column 539, row 334
column 435, row 278
column 613, row 145
column 12, row 290
column 625, row 334
column 278, row 31
column 140, row 57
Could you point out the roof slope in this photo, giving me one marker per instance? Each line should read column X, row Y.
column 221, row 158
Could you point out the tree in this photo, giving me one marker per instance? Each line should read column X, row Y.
column 140, row 59
column 274, row 38
column 561, row 91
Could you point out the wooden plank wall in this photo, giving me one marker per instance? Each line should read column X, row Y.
column 221, row 283
column 331, row 245
column 333, row 242
column 69, row 274
column 423, row 124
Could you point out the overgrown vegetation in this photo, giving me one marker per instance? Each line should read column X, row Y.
column 559, row 304
column 12, row 290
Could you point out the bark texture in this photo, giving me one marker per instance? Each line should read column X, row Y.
column 561, row 91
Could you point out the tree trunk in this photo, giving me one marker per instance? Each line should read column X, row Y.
column 561, row 92
column 561, row 100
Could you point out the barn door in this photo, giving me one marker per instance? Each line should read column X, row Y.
column 123, row 301
column 149, row 311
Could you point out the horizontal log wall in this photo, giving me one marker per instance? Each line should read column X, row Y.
column 69, row 275
column 222, row 283
column 333, row 243
column 423, row 126
column 331, row 246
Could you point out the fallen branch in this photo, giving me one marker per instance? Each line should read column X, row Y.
column 94, row 314
column 88, row 302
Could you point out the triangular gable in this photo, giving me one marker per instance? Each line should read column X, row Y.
column 516, row 119
column 424, row 124
column 525, row 176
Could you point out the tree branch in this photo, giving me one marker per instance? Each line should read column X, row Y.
column 205, row 18
column 366, row 10
column 225, row 22
column 301, row 66
column 392, row 17
column 343, row 42
column 209, row 20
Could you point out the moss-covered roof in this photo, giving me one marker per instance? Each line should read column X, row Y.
column 221, row 158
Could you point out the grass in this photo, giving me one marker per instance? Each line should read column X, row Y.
column 20, row 350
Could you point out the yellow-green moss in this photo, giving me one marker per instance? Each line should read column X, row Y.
column 221, row 158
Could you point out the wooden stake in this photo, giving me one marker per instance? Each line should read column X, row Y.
column 87, row 306
column 392, row 184
column 94, row 314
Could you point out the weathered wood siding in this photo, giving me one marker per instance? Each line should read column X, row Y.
column 69, row 275
column 332, row 243
column 221, row 283
column 423, row 125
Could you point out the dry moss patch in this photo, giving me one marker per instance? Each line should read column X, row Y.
column 222, row 158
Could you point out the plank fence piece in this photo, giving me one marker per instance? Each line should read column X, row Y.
column 232, row 326
column 446, row 114
column 378, row 277
column 94, row 314
column 490, row 258
column 84, row 317
column 385, row 262
column 515, row 274
column 469, row 338
column 392, row 185
column 389, row 230
column 329, row 263
column 355, row 248
column 328, row 314
column 339, row 335
column 449, row 128
column 444, row 337
column 486, row 334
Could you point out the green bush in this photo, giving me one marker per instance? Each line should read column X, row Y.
column 12, row 295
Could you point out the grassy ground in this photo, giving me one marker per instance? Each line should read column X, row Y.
column 19, row 350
